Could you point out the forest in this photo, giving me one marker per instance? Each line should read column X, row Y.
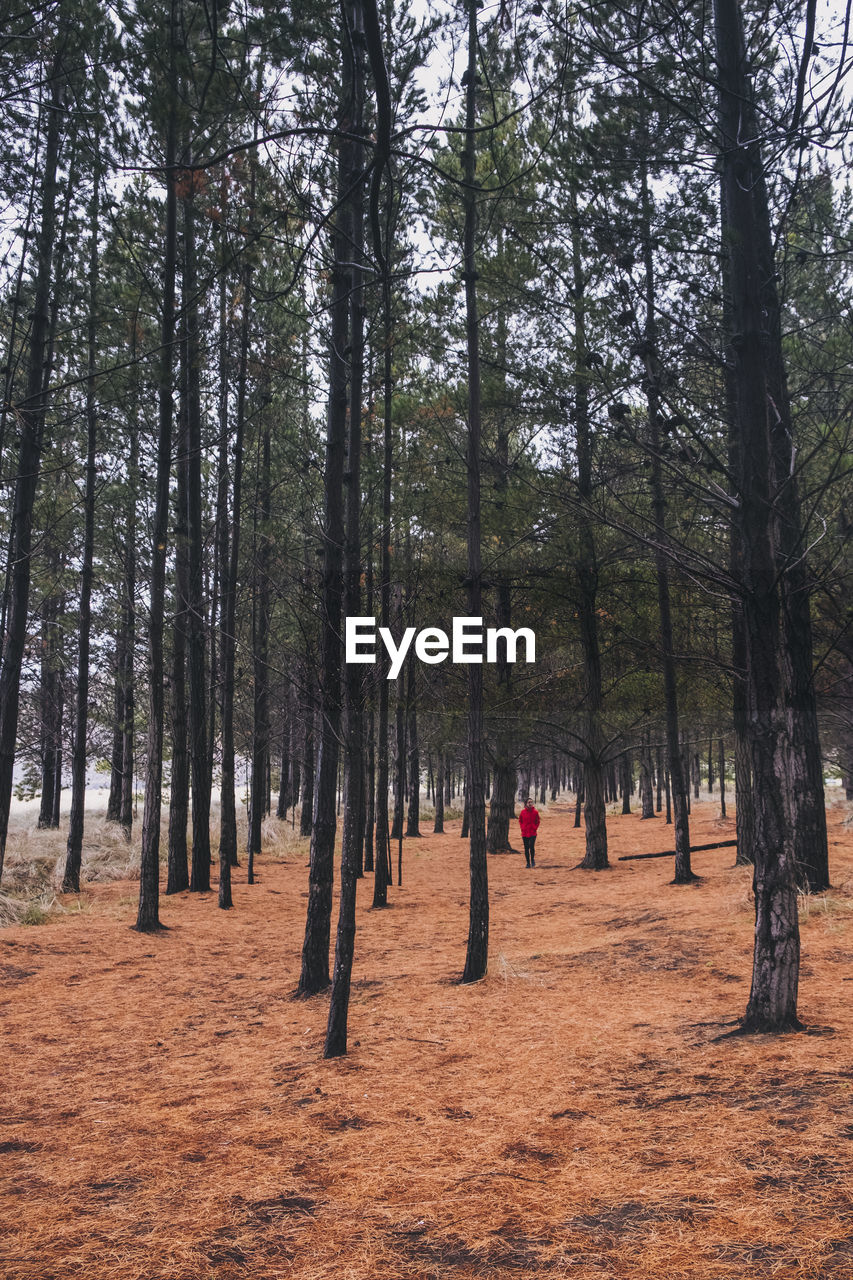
column 528, row 316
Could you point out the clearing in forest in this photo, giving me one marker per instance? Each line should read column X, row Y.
column 167, row 1112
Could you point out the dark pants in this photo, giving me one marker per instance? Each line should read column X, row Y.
column 530, row 850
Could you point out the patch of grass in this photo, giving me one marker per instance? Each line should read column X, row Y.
column 281, row 841
column 823, row 906
column 18, row 909
column 35, row 914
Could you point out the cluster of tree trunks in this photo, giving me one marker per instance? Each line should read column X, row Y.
column 336, row 744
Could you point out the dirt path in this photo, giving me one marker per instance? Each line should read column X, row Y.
column 167, row 1113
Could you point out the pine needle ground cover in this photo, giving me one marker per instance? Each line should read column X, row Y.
column 581, row 1112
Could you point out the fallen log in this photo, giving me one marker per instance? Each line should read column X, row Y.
column 670, row 853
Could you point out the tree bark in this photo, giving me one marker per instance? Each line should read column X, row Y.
column 229, row 568
column 438, row 828
column 808, row 802
column 50, row 687
column 586, row 571
column 178, row 878
column 200, row 762
column 117, row 753
column 382, row 858
column 314, row 975
column 677, row 783
column 74, row 848
column 306, row 816
column 120, row 803
column 367, row 859
column 399, row 740
column 647, row 795
column 260, row 648
column 625, row 771
column 502, row 806
column 284, row 787
column 353, row 824
column 129, row 633
column 413, row 817
column 477, row 954
column 773, row 998
column 147, row 918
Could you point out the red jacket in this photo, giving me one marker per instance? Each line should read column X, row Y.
column 529, row 821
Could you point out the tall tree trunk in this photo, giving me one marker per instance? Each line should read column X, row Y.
column 626, row 781
column 117, row 752
column 502, row 806
column 773, row 998
column 229, row 568
column 50, row 685
column 314, row 974
column 120, row 802
column 413, row 819
column 808, row 802
column 129, row 634
column 260, row 647
column 677, row 782
column 221, row 533
column 284, row 779
column 647, row 795
column 400, row 746
column 74, row 849
column 306, row 817
column 200, row 762
column 178, row 877
column 438, row 828
column 744, row 809
column 477, row 955
column 227, row 821
column 149, row 878
column 353, row 824
column 368, row 848
column 57, row 788
column 368, row 851
column 382, row 858
column 586, row 569
column 295, row 779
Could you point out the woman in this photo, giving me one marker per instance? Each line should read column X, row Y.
column 529, row 822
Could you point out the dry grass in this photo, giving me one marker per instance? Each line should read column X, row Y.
column 29, row 888
column 167, row 1112
column 35, row 859
column 280, row 841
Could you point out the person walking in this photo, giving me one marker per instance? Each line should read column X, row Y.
column 529, row 822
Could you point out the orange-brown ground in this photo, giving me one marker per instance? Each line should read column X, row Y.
column 166, row 1111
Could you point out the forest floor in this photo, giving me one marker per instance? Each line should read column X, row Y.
column 581, row 1112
